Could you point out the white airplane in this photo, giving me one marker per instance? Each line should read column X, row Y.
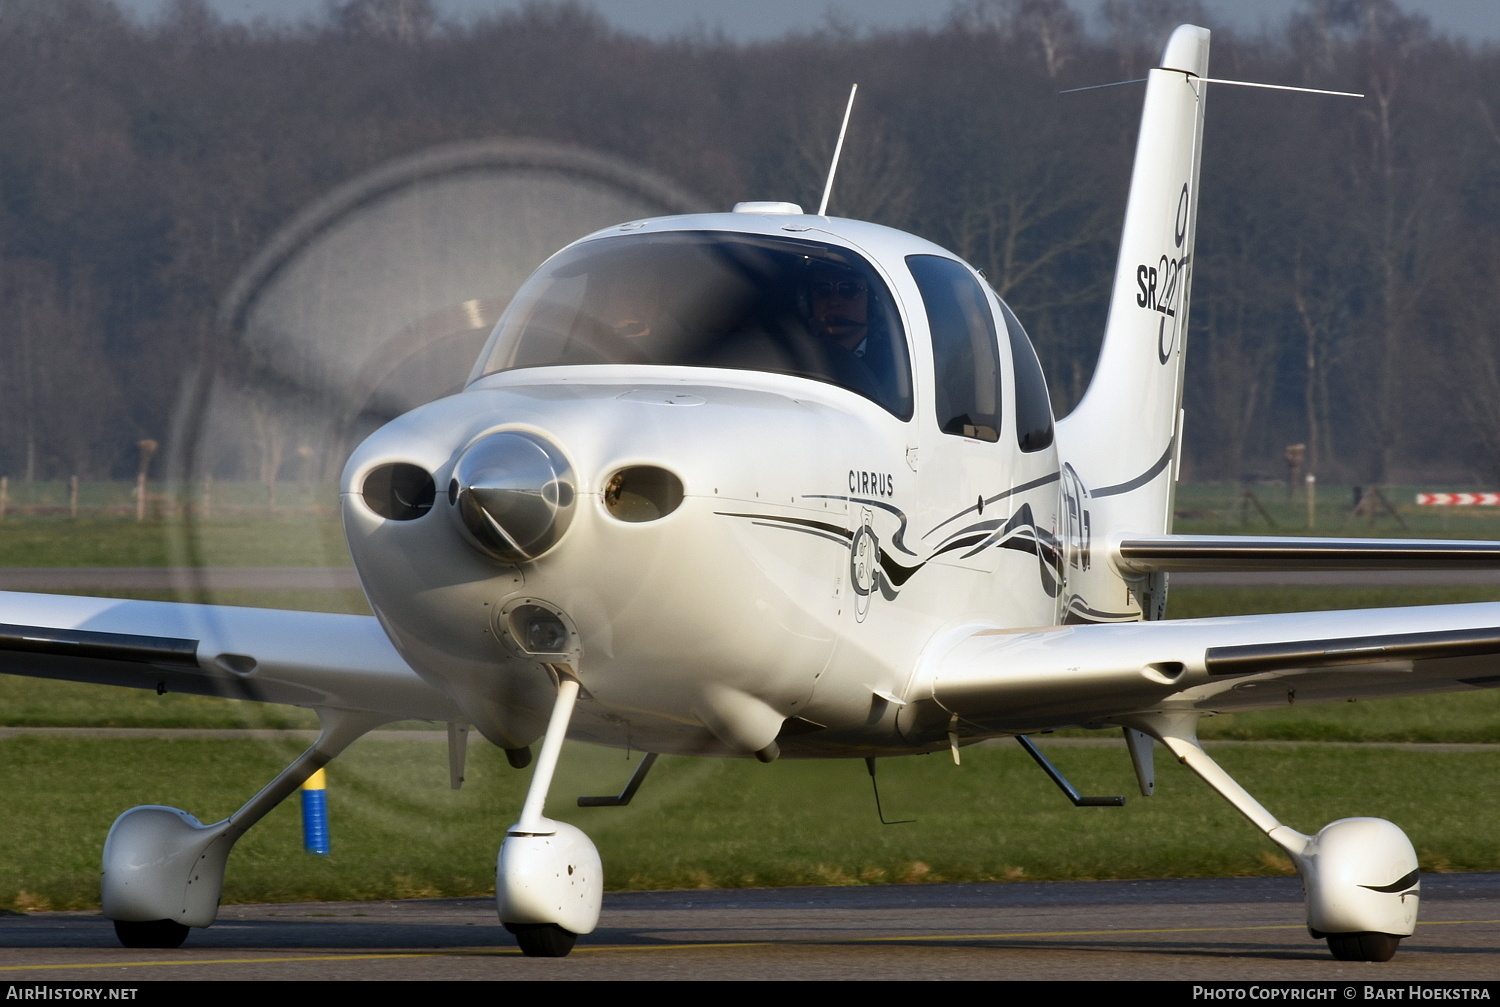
column 768, row 483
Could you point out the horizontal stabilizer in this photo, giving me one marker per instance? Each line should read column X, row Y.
column 1156, row 553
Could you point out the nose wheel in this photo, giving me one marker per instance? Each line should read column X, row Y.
column 542, row 940
column 1366, row 947
column 151, row 933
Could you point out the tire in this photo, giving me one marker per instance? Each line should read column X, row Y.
column 151, row 933
column 1365, row 947
column 542, row 940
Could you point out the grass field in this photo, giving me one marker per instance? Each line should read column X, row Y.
column 52, row 497
column 304, row 528
column 280, row 539
column 1466, row 717
column 398, row 831
column 1221, row 509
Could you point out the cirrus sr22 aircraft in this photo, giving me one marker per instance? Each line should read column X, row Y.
column 769, row 484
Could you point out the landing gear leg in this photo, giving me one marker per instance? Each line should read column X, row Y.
column 164, row 869
column 549, row 882
column 1360, row 874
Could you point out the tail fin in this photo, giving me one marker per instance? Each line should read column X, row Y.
column 1124, row 439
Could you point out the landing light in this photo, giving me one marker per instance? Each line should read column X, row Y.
column 538, row 630
column 533, row 629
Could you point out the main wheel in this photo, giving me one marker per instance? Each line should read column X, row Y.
column 151, row 933
column 1365, row 947
column 542, row 940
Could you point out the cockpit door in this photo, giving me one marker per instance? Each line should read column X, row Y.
column 964, row 458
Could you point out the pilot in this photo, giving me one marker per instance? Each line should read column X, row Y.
column 626, row 317
column 839, row 300
column 632, row 303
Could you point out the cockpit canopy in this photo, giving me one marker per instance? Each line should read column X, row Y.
column 707, row 299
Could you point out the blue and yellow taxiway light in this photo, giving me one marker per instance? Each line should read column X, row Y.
column 315, row 814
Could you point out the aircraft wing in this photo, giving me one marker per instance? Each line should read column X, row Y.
column 1028, row 680
column 309, row 659
column 1143, row 554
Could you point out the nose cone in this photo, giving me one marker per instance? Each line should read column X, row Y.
column 513, row 493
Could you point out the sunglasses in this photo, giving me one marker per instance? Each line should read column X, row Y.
column 843, row 288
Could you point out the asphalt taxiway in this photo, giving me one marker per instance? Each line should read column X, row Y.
column 1192, row 929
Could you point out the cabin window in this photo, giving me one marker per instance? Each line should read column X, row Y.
column 965, row 353
column 1033, row 404
column 708, row 299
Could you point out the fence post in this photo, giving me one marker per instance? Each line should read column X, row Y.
column 147, row 448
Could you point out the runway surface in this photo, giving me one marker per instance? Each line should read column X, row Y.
column 1196, row 929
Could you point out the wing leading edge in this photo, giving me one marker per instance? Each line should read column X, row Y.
column 1002, row 681
column 308, row 659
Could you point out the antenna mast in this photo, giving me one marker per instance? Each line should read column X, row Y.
column 838, row 149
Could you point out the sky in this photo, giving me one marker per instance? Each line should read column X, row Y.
column 752, row 20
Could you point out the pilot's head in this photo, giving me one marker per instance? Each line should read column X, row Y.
column 631, row 303
column 840, row 301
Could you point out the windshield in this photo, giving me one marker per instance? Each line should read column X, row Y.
column 697, row 299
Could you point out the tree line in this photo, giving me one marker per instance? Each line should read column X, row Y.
column 1345, row 292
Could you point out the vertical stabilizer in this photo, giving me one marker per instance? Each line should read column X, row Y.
column 1124, row 439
